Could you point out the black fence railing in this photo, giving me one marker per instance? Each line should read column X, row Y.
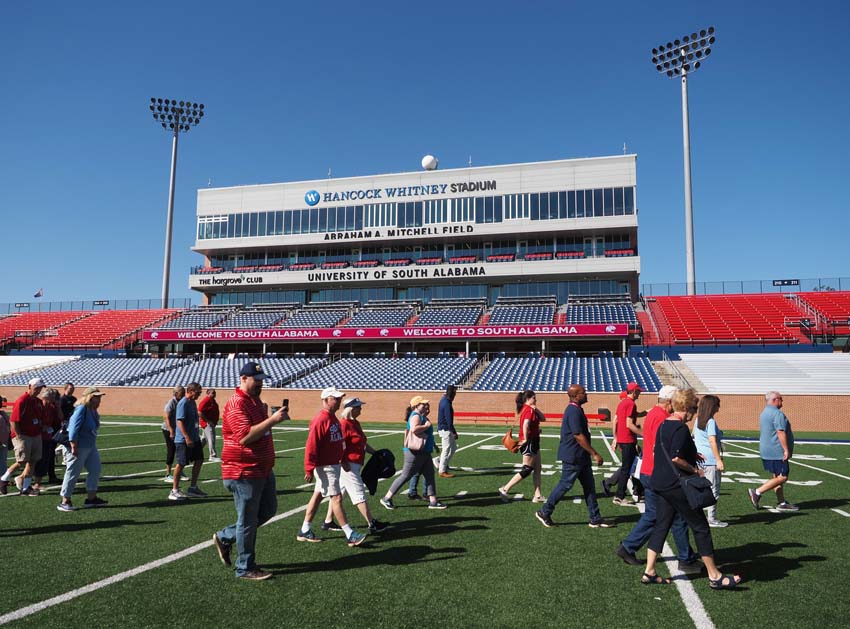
column 36, row 305
column 749, row 286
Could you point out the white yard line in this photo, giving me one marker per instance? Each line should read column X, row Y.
column 689, row 595
column 122, row 576
column 461, row 494
column 610, row 449
column 840, row 512
column 811, row 467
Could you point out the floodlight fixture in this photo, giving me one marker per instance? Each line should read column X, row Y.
column 175, row 117
column 679, row 59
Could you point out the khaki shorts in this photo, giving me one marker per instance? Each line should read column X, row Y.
column 27, row 449
column 353, row 484
column 327, row 480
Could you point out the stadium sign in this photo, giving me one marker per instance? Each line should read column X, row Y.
column 786, row 282
column 312, row 197
column 408, row 333
column 400, row 232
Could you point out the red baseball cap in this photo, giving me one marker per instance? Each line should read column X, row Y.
column 633, row 386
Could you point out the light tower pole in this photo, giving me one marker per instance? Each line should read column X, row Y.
column 680, row 58
column 174, row 116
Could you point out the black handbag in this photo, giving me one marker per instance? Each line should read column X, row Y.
column 697, row 489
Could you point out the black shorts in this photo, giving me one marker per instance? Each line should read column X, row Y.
column 531, row 447
column 186, row 455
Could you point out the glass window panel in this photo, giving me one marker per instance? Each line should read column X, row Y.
column 609, row 201
column 553, row 205
column 562, row 205
column 358, row 217
column 597, row 202
column 331, row 219
column 314, row 220
column 305, row 221
column 479, row 209
column 497, row 210
column 544, row 206
column 340, row 219
column 252, row 224
column 349, row 218
column 571, row 204
column 231, row 225
column 417, row 214
column 216, row 232
column 323, row 219
column 580, row 203
column 296, row 222
column 618, row 202
column 287, row 223
column 629, row 200
column 488, row 209
column 535, row 207
column 261, row 223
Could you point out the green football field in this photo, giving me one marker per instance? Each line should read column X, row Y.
column 146, row 562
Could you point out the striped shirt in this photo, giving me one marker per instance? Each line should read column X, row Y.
column 254, row 460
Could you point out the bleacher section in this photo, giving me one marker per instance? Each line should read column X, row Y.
column 105, row 329
column 805, row 374
column 195, row 320
column 382, row 314
column 605, row 373
column 258, row 318
column 33, row 322
column 589, row 312
column 446, row 312
column 730, row 319
column 224, row 372
column 97, row 371
column 418, row 374
column 519, row 310
column 834, row 306
column 318, row 315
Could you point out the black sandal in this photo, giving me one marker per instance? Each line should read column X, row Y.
column 654, row 579
column 725, row 582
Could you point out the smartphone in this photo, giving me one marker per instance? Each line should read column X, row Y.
column 285, row 404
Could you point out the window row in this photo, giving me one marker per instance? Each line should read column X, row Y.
column 535, row 206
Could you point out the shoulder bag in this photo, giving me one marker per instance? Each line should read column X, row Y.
column 697, row 488
column 414, row 442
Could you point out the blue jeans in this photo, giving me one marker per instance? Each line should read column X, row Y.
column 643, row 529
column 569, row 474
column 86, row 457
column 256, row 503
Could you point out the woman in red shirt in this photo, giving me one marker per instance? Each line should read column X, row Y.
column 355, row 453
column 50, row 426
column 529, row 444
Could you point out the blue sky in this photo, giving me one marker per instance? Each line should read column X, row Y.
column 293, row 89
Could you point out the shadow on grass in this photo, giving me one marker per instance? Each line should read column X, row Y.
column 385, row 557
column 759, row 561
column 73, row 526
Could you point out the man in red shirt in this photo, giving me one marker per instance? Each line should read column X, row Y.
column 323, row 458
column 26, row 420
column 626, row 434
column 639, row 535
column 246, row 468
column 208, row 410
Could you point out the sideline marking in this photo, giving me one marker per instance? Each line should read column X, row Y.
column 610, row 449
column 122, row 576
column 840, row 512
column 811, row 467
column 461, row 494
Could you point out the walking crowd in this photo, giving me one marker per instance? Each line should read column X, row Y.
column 675, row 473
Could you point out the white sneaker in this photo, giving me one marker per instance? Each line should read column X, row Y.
column 168, row 479
column 214, row 459
column 177, row 495
column 717, row 524
column 194, row 492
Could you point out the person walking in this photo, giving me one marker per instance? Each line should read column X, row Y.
column 82, row 436
column 51, row 427
column 446, row 429
column 575, row 453
column 356, row 447
column 208, row 409
column 639, row 535
column 324, row 461
column 418, row 446
column 708, row 439
column 626, row 433
column 776, row 446
column 676, row 456
column 529, row 445
column 26, row 420
column 5, row 435
column 188, row 446
column 169, row 428
column 247, row 469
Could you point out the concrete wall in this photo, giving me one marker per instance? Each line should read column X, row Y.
column 822, row 413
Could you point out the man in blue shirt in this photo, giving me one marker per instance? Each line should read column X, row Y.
column 575, row 453
column 446, row 427
column 188, row 444
column 776, row 446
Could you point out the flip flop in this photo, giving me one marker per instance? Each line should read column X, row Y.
column 654, row 579
column 725, row 582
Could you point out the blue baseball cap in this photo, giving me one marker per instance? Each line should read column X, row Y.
column 253, row 370
column 354, row 402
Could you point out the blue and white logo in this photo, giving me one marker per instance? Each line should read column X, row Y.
column 312, row 197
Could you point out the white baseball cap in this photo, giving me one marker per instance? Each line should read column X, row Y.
column 332, row 392
column 36, row 382
column 666, row 392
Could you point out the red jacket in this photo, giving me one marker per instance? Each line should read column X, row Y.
column 208, row 411
column 355, row 441
column 324, row 442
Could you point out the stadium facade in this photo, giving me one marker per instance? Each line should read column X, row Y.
column 554, row 229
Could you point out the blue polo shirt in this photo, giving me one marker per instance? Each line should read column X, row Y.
column 771, row 420
column 573, row 423
column 187, row 412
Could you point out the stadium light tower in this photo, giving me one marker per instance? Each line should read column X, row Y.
column 174, row 116
column 681, row 58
